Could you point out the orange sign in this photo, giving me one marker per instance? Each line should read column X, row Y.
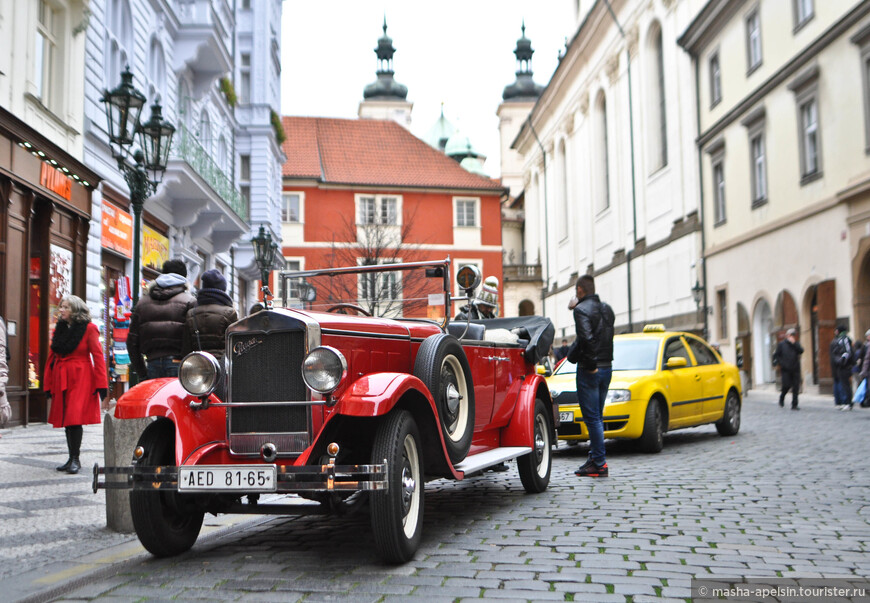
column 117, row 230
column 55, row 181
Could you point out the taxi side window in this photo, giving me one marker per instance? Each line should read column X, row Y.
column 675, row 349
column 703, row 354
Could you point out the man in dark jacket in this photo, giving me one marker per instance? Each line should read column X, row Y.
column 841, row 355
column 593, row 321
column 787, row 356
column 207, row 322
column 157, row 323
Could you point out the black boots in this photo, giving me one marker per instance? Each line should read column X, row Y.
column 74, row 444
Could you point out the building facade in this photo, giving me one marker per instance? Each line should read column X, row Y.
column 609, row 169
column 783, row 142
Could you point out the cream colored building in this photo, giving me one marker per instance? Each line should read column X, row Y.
column 783, row 140
column 610, row 168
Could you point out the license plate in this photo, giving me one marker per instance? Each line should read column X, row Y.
column 245, row 478
column 566, row 416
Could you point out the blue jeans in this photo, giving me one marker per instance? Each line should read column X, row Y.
column 842, row 391
column 591, row 393
column 163, row 367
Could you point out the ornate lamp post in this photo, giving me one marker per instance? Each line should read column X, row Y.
column 123, row 108
column 698, row 296
column 264, row 254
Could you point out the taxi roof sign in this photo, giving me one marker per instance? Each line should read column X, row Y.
column 657, row 328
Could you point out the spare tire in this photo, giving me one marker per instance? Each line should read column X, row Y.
column 443, row 367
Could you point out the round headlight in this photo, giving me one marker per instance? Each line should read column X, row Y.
column 199, row 373
column 323, row 369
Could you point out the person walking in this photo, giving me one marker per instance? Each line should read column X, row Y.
column 865, row 367
column 593, row 353
column 841, row 369
column 75, row 376
column 787, row 356
column 157, row 323
column 5, row 408
column 206, row 323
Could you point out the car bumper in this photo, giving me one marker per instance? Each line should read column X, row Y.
column 623, row 420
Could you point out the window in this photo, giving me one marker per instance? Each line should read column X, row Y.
column 466, row 212
column 719, row 192
column 205, row 131
column 562, row 160
column 293, row 265
column 803, row 12
column 157, row 72
column 759, row 177
column 388, row 211
column 118, row 41
column 601, row 157
column 46, row 54
column 222, row 154
column 245, row 168
column 862, row 40
column 675, row 349
column 753, row 40
column 809, row 116
column 703, row 354
column 722, row 308
column 715, row 80
column 245, row 79
column 658, row 139
column 290, row 210
column 378, row 210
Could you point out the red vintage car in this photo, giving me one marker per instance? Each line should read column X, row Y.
column 340, row 403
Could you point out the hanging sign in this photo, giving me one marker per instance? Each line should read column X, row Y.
column 155, row 248
column 117, row 231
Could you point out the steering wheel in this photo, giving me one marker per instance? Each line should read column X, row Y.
column 355, row 307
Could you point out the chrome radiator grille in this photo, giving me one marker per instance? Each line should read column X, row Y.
column 268, row 369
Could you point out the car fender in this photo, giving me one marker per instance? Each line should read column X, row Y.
column 165, row 398
column 520, row 430
column 376, row 394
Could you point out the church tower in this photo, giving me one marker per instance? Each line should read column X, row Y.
column 386, row 98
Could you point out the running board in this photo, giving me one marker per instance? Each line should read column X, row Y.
column 478, row 462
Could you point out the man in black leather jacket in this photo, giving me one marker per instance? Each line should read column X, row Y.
column 593, row 321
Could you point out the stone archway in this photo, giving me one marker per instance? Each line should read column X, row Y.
column 820, row 304
column 763, row 343
column 527, row 308
column 743, row 346
column 862, row 297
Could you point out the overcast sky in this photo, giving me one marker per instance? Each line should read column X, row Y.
column 459, row 52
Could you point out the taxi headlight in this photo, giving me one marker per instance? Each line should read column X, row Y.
column 617, row 395
column 199, row 373
column 323, row 369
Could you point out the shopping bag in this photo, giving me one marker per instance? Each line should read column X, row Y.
column 860, row 392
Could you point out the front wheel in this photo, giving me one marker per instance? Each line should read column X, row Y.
column 653, row 437
column 397, row 513
column 534, row 467
column 729, row 424
column 166, row 522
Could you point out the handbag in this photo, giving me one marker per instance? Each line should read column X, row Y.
column 860, row 392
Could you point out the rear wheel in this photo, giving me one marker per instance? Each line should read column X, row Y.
column 653, row 437
column 729, row 424
column 443, row 367
column 534, row 467
column 166, row 522
column 397, row 513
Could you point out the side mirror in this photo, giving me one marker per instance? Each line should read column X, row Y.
column 676, row 362
column 542, row 370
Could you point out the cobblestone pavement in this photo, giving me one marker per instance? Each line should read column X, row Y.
column 787, row 497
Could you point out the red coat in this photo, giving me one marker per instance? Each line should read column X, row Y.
column 73, row 381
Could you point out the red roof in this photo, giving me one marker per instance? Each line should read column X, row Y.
column 371, row 152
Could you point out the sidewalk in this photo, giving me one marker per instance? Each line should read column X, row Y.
column 53, row 527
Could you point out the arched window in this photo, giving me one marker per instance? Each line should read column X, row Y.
column 222, row 154
column 185, row 110
column 118, row 41
column 656, row 108
column 157, row 72
column 205, row 131
column 562, row 198
column 601, row 154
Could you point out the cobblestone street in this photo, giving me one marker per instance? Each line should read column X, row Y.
column 787, row 497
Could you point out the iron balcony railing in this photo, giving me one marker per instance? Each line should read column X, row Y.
column 187, row 148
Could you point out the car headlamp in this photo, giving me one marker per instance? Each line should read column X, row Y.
column 323, row 369
column 199, row 373
column 617, row 395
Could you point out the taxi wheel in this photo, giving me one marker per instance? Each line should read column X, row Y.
column 534, row 467
column 729, row 424
column 397, row 512
column 167, row 523
column 442, row 366
column 653, row 437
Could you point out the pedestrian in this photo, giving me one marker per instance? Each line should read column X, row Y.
column 485, row 305
column 787, row 356
column 561, row 351
column 593, row 353
column 865, row 367
column 157, row 323
column 75, row 376
column 5, row 408
column 841, row 368
column 206, row 323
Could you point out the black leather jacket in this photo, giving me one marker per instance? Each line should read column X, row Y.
column 593, row 321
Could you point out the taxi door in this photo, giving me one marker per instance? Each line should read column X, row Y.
column 712, row 377
column 684, row 384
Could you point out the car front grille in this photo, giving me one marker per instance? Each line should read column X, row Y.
column 567, row 398
column 267, row 367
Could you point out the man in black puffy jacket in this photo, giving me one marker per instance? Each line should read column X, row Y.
column 157, row 323
column 787, row 356
column 593, row 321
column 206, row 324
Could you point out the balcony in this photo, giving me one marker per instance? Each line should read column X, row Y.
column 201, row 41
column 522, row 273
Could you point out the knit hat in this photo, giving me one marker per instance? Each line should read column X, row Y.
column 489, row 292
column 213, row 279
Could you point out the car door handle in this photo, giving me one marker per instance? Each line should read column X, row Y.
column 697, row 377
column 497, row 358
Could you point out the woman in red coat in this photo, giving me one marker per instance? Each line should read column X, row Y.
column 75, row 376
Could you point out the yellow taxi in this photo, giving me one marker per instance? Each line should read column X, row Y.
column 662, row 380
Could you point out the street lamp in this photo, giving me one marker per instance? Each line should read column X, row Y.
column 698, row 294
column 123, row 108
column 264, row 254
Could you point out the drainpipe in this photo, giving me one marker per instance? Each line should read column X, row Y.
column 701, row 196
column 546, row 219
column 631, row 148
